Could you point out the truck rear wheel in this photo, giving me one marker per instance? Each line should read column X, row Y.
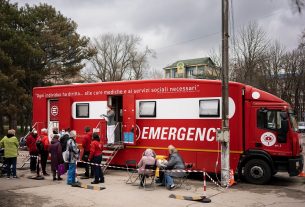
column 257, row 171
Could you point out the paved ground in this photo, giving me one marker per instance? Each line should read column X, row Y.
column 282, row 191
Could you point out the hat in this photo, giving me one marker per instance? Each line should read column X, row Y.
column 73, row 133
column 11, row 131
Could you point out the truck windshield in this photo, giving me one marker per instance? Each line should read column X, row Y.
column 293, row 121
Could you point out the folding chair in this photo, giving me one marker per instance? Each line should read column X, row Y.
column 180, row 181
column 149, row 174
column 133, row 176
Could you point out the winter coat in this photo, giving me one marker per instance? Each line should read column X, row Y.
column 175, row 162
column 87, row 142
column 10, row 144
column 73, row 149
column 31, row 143
column 147, row 159
column 45, row 141
column 56, row 154
column 96, row 149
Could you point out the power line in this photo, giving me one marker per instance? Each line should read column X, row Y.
column 187, row 41
column 215, row 33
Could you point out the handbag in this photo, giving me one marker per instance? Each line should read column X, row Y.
column 61, row 169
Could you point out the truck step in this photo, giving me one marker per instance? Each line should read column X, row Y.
column 105, row 157
column 108, row 151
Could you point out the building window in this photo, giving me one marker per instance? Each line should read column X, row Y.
column 190, row 73
column 209, row 108
column 174, row 71
column 167, row 74
column 147, row 108
column 82, row 110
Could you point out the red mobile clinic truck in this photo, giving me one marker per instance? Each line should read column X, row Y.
column 186, row 113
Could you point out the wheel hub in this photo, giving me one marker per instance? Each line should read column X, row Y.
column 257, row 172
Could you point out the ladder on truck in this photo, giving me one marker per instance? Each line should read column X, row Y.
column 109, row 153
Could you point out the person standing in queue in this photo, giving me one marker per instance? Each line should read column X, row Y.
column 72, row 157
column 45, row 150
column 31, row 144
column 56, row 156
column 10, row 144
column 86, row 145
column 96, row 157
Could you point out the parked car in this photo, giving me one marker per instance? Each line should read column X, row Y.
column 302, row 127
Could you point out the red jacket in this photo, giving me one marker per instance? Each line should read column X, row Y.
column 95, row 149
column 87, row 141
column 31, row 143
column 45, row 141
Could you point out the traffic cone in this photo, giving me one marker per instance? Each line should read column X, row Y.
column 302, row 174
column 232, row 181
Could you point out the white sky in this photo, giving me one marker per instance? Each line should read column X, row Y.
column 179, row 29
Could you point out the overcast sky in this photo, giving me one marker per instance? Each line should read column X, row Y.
column 179, row 29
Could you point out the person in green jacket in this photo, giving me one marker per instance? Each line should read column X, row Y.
column 10, row 144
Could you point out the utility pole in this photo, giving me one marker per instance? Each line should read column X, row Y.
column 225, row 131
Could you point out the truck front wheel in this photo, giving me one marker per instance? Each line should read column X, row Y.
column 257, row 172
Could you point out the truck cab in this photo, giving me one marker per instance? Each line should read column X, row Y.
column 271, row 142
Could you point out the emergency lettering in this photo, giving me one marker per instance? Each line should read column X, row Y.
column 180, row 134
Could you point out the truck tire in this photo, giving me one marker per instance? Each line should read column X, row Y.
column 257, row 172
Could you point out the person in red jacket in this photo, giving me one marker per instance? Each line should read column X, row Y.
column 31, row 144
column 45, row 152
column 96, row 157
column 86, row 145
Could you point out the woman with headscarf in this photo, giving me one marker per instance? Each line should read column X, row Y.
column 56, row 156
column 148, row 158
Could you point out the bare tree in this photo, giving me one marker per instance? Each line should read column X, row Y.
column 118, row 57
column 139, row 64
column 298, row 5
column 155, row 74
column 250, row 53
column 216, row 58
column 273, row 71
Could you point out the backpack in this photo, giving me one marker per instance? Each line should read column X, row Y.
column 67, row 153
column 39, row 145
column 63, row 141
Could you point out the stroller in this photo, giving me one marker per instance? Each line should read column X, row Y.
column 3, row 164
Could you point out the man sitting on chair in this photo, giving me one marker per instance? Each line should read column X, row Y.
column 148, row 158
column 175, row 162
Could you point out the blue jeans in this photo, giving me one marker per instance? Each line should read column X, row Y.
column 71, row 173
column 168, row 180
column 11, row 161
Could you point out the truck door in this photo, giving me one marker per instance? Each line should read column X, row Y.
column 129, row 119
column 271, row 130
column 53, row 115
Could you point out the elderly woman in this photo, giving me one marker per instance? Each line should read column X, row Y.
column 175, row 162
column 148, row 158
column 56, row 156
column 10, row 144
